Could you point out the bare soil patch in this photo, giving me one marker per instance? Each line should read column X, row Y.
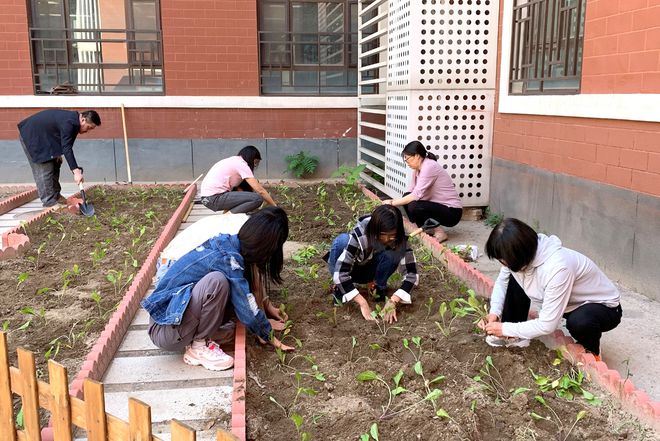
column 317, row 387
column 58, row 296
column 7, row 192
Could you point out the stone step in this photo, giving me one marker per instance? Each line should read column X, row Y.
column 170, row 367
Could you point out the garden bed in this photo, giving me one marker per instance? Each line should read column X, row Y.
column 8, row 191
column 335, row 386
column 58, row 296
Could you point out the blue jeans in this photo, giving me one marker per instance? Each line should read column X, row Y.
column 381, row 266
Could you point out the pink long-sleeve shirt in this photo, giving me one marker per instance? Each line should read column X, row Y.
column 432, row 183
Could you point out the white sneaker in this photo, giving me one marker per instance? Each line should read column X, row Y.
column 507, row 342
column 209, row 356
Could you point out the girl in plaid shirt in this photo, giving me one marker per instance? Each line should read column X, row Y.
column 375, row 248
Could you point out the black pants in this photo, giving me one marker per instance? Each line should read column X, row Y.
column 586, row 324
column 47, row 177
column 419, row 211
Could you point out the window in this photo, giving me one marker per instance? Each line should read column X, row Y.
column 546, row 46
column 308, row 47
column 96, row 46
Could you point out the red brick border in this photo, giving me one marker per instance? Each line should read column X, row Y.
column 238, row 421
column 17, row 200
column 634, row 400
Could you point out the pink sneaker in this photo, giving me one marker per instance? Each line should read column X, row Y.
column 210, row 356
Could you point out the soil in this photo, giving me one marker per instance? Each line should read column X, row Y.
column 67, row 295
column 339, row 344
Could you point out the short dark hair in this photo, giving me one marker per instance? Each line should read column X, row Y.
column 417, row 148
column 92, row 117
column 513, row 242
column 383, row 219
column 262, row 237
column 249, row 153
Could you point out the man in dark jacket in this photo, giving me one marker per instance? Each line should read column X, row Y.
column 45, row 137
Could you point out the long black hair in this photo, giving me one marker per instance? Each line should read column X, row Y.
column 417, row 148
column 249, row 153
column 513, row 242
column 386, row 218
column 262, row 237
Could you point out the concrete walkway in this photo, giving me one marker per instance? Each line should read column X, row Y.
column 629, row 349
column 195, row 396
column 14, row 217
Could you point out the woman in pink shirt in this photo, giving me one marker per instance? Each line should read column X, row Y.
column 231, row 185
column 432, row 194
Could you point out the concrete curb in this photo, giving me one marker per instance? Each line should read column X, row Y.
column 17, row 200
column 634, row 400
column 238, row 422
column 106, row 345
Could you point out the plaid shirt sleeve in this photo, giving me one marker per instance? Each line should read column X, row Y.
column 342, row 275
column 408, row 269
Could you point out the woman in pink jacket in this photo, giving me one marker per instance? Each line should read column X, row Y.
column 431, row 194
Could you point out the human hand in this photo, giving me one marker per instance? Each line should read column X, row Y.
column 364, row 307
column 281, row 346
column 387, row 202
column 277, row 325
column 78, row 176
column 494, row 328
column 490, row 318
column 389, row 312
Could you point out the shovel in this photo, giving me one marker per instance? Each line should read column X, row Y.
column 86, row 209
column 429, row 224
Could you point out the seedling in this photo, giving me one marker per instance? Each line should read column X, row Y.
column 473, row 307
column 554, row 418
column 309, row 274
column 298, row 421
column 428, row 305
column 379, row 314
column 373, row 376
column 492, row 218
column 35, row 260
column 431, row 394
column 300, row 390
column 491, row 380
column 566, row 386
column 354, row 343
column 303, row 255
column 446, row 319
column 22, row 277
column 373, row 434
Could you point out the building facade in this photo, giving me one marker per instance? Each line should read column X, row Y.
column 198, row 79
column 576, row 142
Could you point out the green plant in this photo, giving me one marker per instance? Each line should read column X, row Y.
column 379, row 314
column 22, row 277
column 35, row 259
column 99, row 253
column 373, row 433
column 565, row 386
column 332, row 318
column 555, row 418
column 308, row 274
column 431, row 394
column 298, row 421
column 117, row 279
column 350, row 174
column 473, row 306
column 398, row 389
column 445, row 322
column 300, row 390
column 428, row 305
column 491, row 218
column 303, row 255
column 491, row 380
column 301, row 164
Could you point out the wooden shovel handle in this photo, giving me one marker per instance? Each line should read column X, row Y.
column 416, row 232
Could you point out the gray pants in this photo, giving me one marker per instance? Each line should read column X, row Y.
column 47, row 177
column 202, row 319
column 235, row 201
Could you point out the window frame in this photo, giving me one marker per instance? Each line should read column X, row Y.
column 526, row 48
column 69, row 31
column 348, row 41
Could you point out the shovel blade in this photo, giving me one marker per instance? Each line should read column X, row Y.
column 430, row 224
column 86, row 209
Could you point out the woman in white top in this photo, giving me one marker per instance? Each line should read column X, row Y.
column 231, row 185
column 565, row 282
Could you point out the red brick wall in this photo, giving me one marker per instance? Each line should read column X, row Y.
column 210, row 47
column 210, row 123
column 621, row 153
column 621, row 47
column 15, row 65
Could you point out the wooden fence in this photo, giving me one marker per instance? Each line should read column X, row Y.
column 68, row 412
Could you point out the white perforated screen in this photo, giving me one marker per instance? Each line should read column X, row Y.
column 454, row 125
column 442, row 44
